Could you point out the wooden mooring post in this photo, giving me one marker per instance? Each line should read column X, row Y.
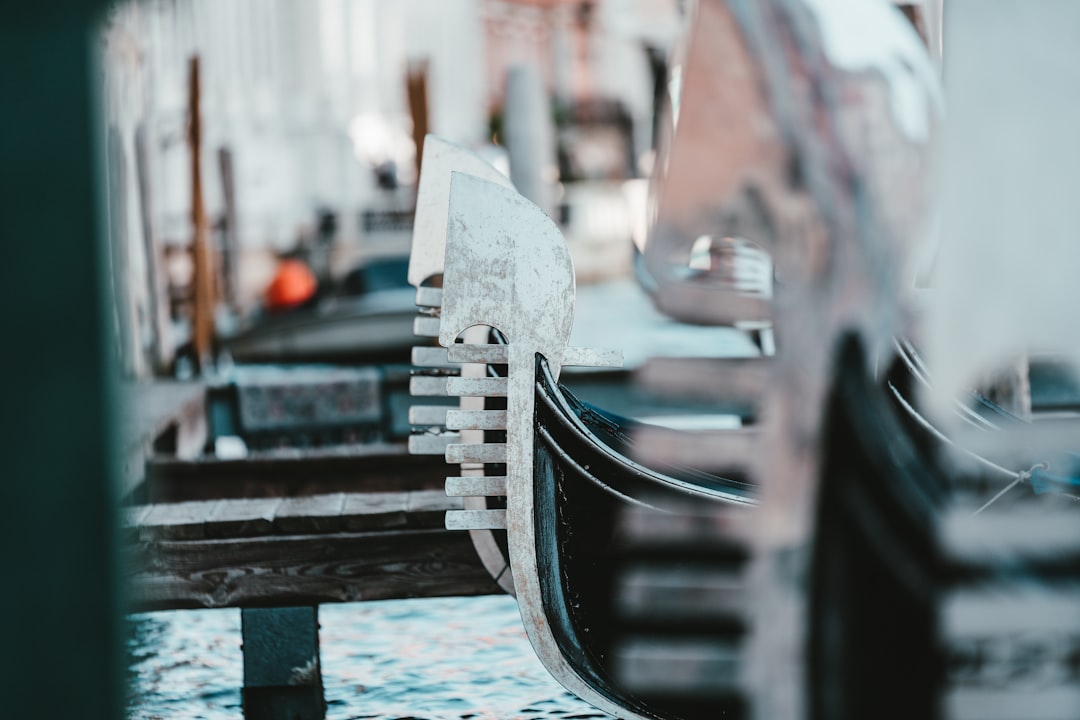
column 282, row 671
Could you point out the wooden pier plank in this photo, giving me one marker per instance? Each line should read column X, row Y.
column 177, row 521
column 337, row 547
column 320, row 513
column 294, row 473
column 242, row 517
column 314, row 514
column 305, row 569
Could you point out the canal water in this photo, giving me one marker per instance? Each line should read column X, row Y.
column 427, row 659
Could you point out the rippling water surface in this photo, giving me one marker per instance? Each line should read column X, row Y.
column 431, row 659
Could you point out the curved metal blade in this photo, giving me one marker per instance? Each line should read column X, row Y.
column 441, row 158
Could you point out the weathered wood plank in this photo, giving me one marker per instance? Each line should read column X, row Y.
column 299, row 570
column 418, row 510
column 177, row 521
column 424, row 507
column 315, row 513
column 293, row 474
column 377, row 511
column 242, row 517
column 132, row 517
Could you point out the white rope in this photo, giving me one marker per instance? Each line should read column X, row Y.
column 940, row 436
column 1004, row 490
column 1018, row 477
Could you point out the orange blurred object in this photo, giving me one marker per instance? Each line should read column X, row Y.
column 293, row 284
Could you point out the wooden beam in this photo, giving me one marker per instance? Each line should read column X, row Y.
column 203, row 320
column 230, row 248
column 316, row 471
column 416, row 89
column 343, row 547
column 274, row 571
column 282, row 667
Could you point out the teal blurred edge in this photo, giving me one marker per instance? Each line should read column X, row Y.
column 60, row 594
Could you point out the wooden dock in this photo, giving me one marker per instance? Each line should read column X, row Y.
column 276, row 552
column 371, row 468
column 278, row 532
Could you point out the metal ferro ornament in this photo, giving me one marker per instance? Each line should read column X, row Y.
column 507, row 267
column 431, row 365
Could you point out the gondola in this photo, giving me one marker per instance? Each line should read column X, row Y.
column 583, row 485
column 853, row 568
column 368, row 316
column 563, row 470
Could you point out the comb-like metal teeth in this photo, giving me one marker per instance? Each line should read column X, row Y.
column 476, row 453
column 428, row 444
column 426, row 326
column 476, row 387
column 497, row 355
column 428, row 386
column 433, row 357
column 428, row 415
column 475, row 519
column 476, row 486
column 429, row 297
column 475, row 419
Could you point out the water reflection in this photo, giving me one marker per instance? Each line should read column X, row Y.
column 431, row 659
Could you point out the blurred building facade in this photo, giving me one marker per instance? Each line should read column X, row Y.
column 308, row 98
